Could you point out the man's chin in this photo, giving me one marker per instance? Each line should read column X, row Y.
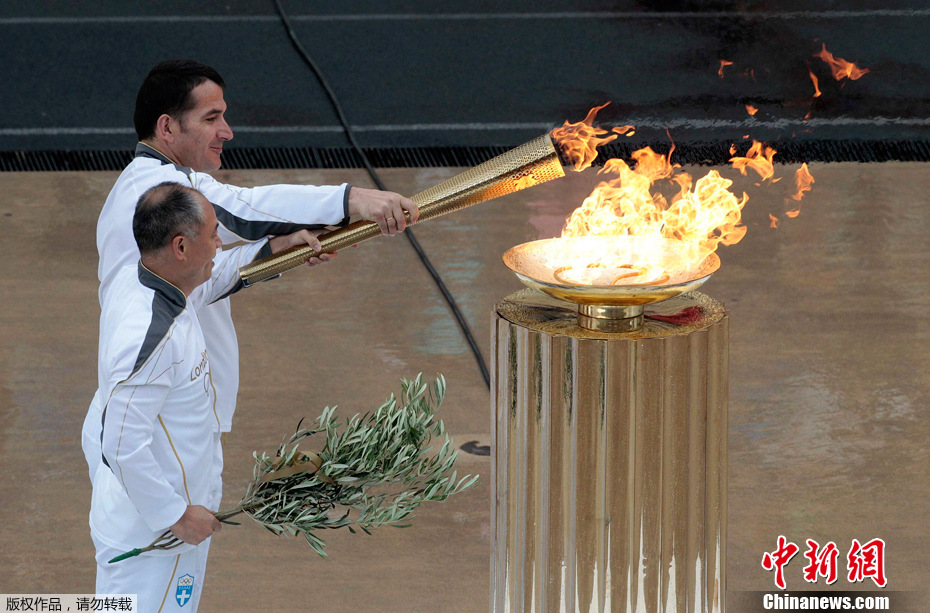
column 217, row 159
column 212, row 163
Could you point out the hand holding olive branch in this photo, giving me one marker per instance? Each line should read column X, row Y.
column 375, row 472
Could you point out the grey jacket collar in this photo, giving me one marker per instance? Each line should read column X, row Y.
column 146, row 151
column 170, row 292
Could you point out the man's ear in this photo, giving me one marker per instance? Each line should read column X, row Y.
column 179, row 247
column 165, row 128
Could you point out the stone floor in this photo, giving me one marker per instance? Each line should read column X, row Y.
column 829, row 356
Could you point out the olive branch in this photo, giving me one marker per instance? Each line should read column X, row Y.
column 375, row 472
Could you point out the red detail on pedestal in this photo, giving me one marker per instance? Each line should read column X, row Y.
column 687, row 316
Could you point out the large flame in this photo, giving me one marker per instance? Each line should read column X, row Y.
column 678, row 222
column 699, row 216
column 840, row 68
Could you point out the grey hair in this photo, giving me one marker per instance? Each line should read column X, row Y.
column 163, row 212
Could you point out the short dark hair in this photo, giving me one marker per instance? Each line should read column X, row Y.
column 167, row 90
column 163, row 212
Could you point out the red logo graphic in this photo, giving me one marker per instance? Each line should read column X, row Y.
column 863, row 561
column 867, row 561
column 822, row 562
column 778, row 559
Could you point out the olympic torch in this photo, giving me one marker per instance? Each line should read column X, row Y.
column 529, row 164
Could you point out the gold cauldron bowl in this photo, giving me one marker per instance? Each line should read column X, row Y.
column 611, row 299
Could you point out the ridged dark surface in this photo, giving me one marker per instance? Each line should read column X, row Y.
column 417, row 74
column 426, row 157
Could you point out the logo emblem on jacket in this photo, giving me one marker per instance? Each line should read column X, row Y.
column 185, row 589
column 201, row 368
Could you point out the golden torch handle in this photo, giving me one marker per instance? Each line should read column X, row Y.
column 529, row 164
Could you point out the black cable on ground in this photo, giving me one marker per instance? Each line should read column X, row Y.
column 374, row 175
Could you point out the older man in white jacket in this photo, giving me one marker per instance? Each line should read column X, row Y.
column 160, row 424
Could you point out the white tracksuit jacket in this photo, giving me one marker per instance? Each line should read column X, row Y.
column 160, row 422
column 244, row 214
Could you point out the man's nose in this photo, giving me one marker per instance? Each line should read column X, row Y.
column 225, row 131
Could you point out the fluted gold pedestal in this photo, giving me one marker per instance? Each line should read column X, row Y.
column 610, row 460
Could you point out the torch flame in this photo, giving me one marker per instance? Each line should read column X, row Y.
column 751, row 109
column 841, row 68
column 579, row 141
column 759, row 158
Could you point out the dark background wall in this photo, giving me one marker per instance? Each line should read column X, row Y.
column 473, row 73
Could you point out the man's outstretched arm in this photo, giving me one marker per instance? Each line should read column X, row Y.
column 272, row 210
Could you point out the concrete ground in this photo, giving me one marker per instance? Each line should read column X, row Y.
column 828, row 384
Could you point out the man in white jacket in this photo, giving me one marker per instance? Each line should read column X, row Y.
column 160, row 426
column 181, row 125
